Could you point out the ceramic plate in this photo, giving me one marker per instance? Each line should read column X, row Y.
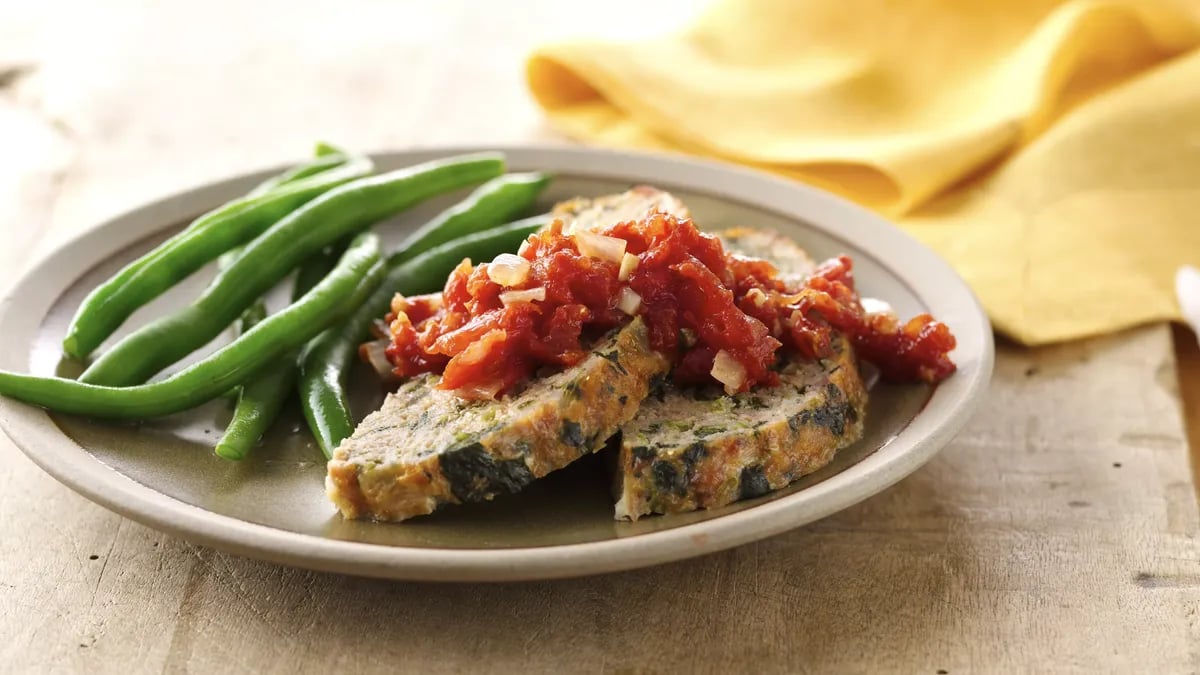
column 273, row 506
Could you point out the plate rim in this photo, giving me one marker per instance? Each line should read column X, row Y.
column 945, row 413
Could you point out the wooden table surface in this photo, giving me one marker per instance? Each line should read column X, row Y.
column 1057, row 533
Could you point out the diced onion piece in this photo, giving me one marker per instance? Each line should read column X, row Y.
column 568, row 226
column 375, row 353
column 876, row 306
column 399, row 324
column 791, row 299
column 525, row 246
column 629, row 301
column 399, row 304
column 756, row 296
column 508, row 270
column 599, row 246
column 483, row 391
column 729, row 372
column 629, row 265
column 528, row 295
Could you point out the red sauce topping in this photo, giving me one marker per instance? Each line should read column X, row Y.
column 697, row 301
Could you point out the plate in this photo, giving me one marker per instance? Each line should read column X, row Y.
column 272, row 506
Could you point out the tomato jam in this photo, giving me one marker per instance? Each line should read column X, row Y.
column 716, row 315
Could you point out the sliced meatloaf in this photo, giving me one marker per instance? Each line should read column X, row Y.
column 697, row 448
column 427, row 447
column 633, row 204
column 792, row 262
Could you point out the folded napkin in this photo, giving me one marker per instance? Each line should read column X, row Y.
column 1049, row 150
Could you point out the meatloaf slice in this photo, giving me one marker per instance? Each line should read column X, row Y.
column 426, row 447
column 792, row 262
column 633, row 204
column 697, row 448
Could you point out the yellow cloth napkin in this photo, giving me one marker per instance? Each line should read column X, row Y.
column 1050, row 150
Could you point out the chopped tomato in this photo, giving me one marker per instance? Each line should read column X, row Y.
column 697, row 301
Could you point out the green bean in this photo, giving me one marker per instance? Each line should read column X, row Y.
column 320, row 164
column 256, row 312
column 325, row 363
column 111, row 303
column 317, row 267
column 253, row 314
column 357, row 275
column 258, row 406
column 340, row 212
column 324, row 366
column 261, row 397
column 322, row 149
column 327, row 157
column 493, row 203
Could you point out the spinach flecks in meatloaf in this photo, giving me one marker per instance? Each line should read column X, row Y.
column 473, row 473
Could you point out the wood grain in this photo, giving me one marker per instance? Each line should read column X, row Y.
column 1187, row 353
column 1057, row 533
